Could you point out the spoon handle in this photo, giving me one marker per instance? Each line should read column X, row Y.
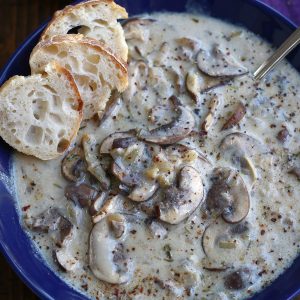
column 292, row 41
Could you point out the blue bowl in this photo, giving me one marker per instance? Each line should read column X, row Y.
column 15, row 244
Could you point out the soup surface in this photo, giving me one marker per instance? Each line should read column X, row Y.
column 201, row 200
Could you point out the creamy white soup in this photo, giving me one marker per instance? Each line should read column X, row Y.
column 188, row 186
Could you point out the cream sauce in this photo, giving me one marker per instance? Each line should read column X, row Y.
column 172, row 266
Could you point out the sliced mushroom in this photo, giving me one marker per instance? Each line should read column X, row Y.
column 162, row 54
column 66, row 259
column 111, row 108
column 136, row 29
column 296, row 172
column 239, row 279
column 123, row 142
column 240, row 149
column 236, row 117
column 53, row 222
column 73, row 165
column 114, row 204
column 197, row 84
column 180, row 202
column 209, row 119
column 94, row 165
column 172, row 132
column 144, row 191
column 228, row 196
column 188, row 43
column 129, row 166
column 106, row 145
column 97, row 203
column 107, row 256
column 222, row 245
column 82, row 194
column 217, row 63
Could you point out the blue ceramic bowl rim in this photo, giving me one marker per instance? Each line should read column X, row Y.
column 3, row 248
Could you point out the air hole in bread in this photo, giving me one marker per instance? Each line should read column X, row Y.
column 74, row 63
column 63, row 54
column 34, row 135
column 93, row 85
column 101, row 22
column 56, row 118
column 53, row 49
column 56, row 101
column 79, row 29
column 90, row 68
column 63, row 145
column 61, row 133
column 93, row 58
column 68, row 67
column 39, row 108
column 49, row 88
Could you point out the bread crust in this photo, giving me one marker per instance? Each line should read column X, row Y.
column 80, row 39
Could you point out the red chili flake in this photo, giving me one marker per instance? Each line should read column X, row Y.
column 25, row 208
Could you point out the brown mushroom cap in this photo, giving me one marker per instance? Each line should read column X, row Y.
column 172, row 132
column 180, row 202
column 106, row 145
column 73, row 166
column 82, row 194
column 216, row 63
column 52, row 221
column 228, row 196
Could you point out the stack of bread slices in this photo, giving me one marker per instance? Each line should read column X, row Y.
column 78, row 62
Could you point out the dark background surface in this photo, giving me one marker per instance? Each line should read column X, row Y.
column 18, row 18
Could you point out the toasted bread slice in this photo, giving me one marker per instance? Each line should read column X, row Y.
column 95, row 69
column 40, row 114
column 96, row 19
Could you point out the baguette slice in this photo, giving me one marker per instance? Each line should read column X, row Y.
column 95, row 69
column 95, row 19
column 40, row 114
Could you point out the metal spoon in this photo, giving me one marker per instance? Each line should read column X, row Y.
column 292, row 41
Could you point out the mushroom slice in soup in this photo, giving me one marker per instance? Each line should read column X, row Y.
column 112, row 205
column 73, row 166
column 240, row 279
column 107, row 143
column 112, row 106
column 197, row 83
column 82, row 194
column 216, row 63
column 236, row 117
column 94, row 165
column 144, row 191
column 210, row 117
column 173, row 132
column 53, row 222
column 179, row 202
column 228, row 196
column 107, row 256
column 223, row 245
column 242, row 150
column 130, row 163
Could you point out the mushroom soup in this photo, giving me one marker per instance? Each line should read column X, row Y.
column 188, row 186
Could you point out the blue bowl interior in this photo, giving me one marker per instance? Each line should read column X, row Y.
column 14, row 243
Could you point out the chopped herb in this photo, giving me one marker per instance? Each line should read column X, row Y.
column 57, row 185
